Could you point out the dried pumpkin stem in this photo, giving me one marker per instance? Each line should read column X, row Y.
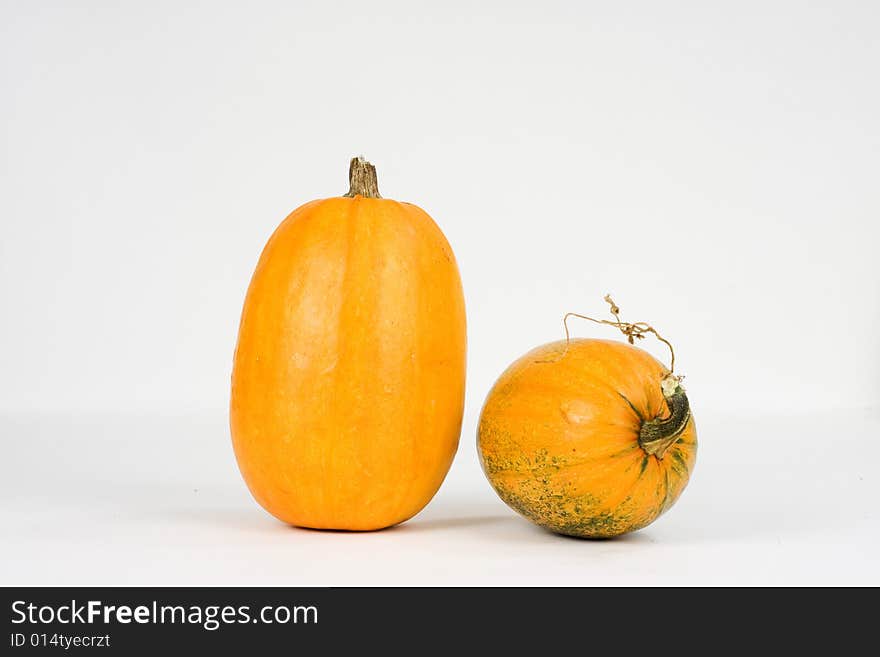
column 659, row 434
column 362, row 179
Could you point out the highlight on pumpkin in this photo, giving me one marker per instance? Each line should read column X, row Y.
column 589, row 437
column 348, row 379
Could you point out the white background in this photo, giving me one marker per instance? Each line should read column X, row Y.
column 713, row 165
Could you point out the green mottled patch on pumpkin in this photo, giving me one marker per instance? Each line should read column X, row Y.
column 565, row 512
column 528, row 483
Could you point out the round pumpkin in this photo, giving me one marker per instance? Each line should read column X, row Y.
column 349, row 371
column 590, row 438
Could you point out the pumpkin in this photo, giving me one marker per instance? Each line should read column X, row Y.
column 349, row 371
column 590, row 438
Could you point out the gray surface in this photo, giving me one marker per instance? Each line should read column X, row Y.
column 155, row 499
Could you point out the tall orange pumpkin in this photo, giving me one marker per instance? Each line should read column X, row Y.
column 349, row 372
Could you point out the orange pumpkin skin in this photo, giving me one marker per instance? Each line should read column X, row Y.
column 349, row 372
column 559, row 439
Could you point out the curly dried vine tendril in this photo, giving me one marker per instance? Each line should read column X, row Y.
column 632, row 331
